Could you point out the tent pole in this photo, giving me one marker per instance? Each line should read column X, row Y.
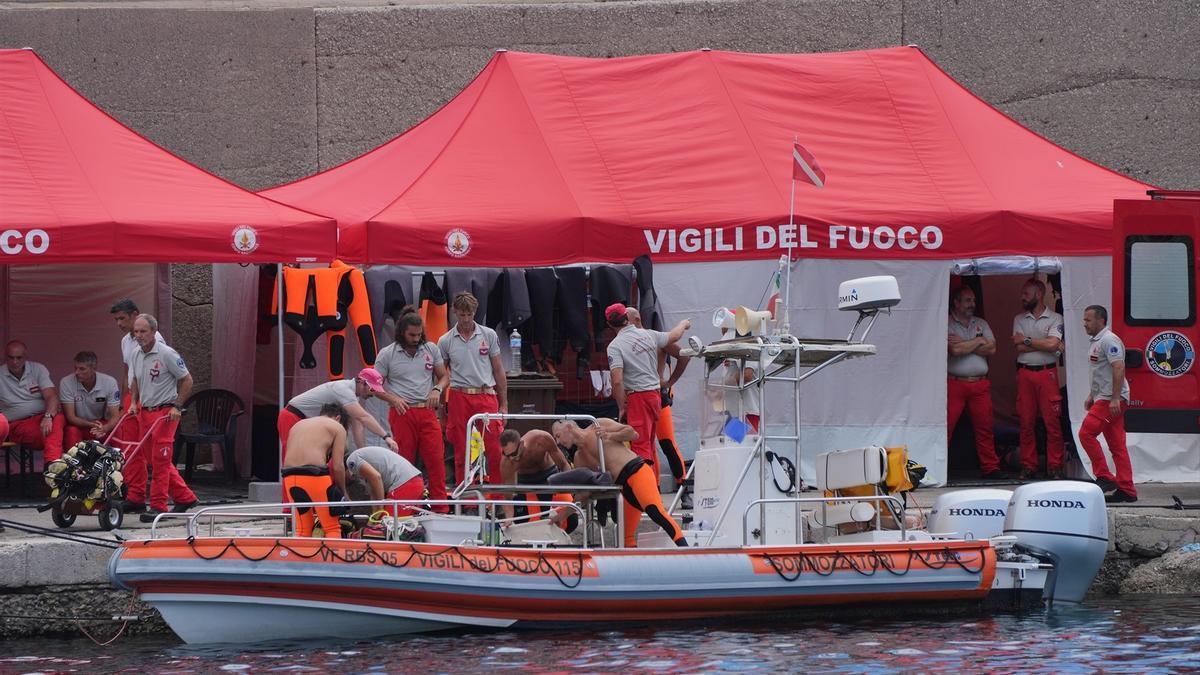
column 279, row 335
column 787, row 286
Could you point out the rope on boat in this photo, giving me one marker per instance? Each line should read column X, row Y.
column 369, row 552
column 825, row 565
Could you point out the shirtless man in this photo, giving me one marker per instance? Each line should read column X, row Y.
column 531, row 460
column 639, row 485
column 312, row 443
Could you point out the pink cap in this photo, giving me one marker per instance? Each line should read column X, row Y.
column 614, row 311
column 372, row 377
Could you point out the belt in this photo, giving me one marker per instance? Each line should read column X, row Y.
column 1031, row 368
column 152, row 408
column 968, row 378
column 474, row 390
column 295, row 411
column 419, row 404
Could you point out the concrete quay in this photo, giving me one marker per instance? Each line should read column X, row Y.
column 46, row 581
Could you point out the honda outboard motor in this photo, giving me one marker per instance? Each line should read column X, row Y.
column 1066, row 521
column 970, row 514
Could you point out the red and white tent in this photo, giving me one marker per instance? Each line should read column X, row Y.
column 78, row 186
column 546, row 160
column 549, row 159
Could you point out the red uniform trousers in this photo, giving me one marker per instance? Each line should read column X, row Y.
column 1099, row 420
column 73, row 434
column 976, row 397
column 1037, row 393
column 642, row 409
column 411, row 490
column 3, row 430
column 126, row 436
column 418, row 433
column 287, row 419
column 159, row 450
column 460, row 409
column 28, row 432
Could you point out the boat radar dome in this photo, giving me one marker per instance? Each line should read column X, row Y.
column 868, row 294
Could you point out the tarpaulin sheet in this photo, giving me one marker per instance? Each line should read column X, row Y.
column 548, row 159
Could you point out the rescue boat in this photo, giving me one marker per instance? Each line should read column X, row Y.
column 756, row 547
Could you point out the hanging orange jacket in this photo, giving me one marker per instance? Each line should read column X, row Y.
column 322, row 300
column 433, row 308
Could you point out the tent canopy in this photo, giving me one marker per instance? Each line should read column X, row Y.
column 549, row 159
column 78, row 186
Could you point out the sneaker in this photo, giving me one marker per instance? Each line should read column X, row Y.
column 182, row 508
column 1118, row 497
column 1106, row 484
column 132, row 507
column 995, row 474
column 1028, row 474
column 1056, row 474
column 685, row 501
column 149, row 515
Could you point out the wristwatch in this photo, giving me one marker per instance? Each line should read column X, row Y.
column 1028, row 341
column 48, row 416
column 387, row 435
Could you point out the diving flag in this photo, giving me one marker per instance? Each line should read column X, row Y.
column 805, row 167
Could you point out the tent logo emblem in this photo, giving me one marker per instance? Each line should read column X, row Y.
column 245, row 239
column 1170, row 354
column 458, row 243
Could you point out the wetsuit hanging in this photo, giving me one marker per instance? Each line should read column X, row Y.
column 542, row 285
column 432, row 301
column 572, row 324
column 647, row 296
column 322, row 300
column 609, row 284
column 390, row 288
column 352, row 295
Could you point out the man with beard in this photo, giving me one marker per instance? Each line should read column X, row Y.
column 531, row 460
column 969, row 342
column 1038, row 337
column 1107, row 400
column 414, row 372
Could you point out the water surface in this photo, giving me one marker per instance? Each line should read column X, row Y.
column 1112, row 635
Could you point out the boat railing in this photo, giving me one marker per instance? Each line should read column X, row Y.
column 824, row 502
column 285, row 513
column 477, row 467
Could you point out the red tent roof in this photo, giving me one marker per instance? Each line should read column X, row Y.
column 550, row 159
column 78, row 186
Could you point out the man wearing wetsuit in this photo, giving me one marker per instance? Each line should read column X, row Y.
column 639, row 484
column 531, row 460
column 312, row 444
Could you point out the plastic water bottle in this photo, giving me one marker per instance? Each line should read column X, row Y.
column 514, row 346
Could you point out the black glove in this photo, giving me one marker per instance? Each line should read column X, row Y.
column 667, row 398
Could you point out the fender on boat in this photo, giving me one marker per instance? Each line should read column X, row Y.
column 113, row 576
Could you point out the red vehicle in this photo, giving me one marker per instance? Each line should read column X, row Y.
column 1154, row 310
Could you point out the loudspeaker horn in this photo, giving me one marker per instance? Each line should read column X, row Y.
column 723, row 318
column 751, row 322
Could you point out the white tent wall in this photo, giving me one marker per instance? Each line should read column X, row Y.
column 1169, row 458
column 235, row 298
column 60, row 310
column 897, row 397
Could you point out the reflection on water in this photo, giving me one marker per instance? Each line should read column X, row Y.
column 1127, row 634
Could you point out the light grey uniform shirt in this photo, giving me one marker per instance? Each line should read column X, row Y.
column 1049, row 324
column 338, row 391
column 22, row 397
column 470, row 360
column 129, row 346
column 90, row 404
column 157, row 373
column 393, row 469
column 1104, row 350
column 969, row 365
column 410, row 377
column 635, row 351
